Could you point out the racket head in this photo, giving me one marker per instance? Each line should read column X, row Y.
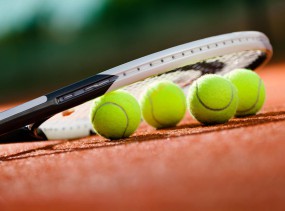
column 181, row 64
column 69, row 124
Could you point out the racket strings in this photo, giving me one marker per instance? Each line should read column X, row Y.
column 184, row 76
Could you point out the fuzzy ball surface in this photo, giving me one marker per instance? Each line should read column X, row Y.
column 212, row 99
column 251, row 91
column 115, row 115
column 163, row 104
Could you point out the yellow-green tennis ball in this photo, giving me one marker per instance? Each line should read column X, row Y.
column 115, row 115
column 251, row 91
column 212, row 99
column 163, row 104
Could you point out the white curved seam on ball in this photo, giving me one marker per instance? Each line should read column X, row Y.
column 152, row 110
column 214, row 109
column 127, row 125
column 256, row 101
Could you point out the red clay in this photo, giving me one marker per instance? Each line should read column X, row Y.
column 235, row 166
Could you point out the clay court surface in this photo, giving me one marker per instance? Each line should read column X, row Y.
column 236, row 166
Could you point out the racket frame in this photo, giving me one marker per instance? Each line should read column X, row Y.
column 38, row 110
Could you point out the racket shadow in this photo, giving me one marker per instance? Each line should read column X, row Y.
column 187, row 129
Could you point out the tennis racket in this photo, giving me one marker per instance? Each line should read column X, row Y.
column 63, row 114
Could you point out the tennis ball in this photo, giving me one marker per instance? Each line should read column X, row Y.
column 212, row 99
column 163, row 104
column 115, row 115
column 251, row 91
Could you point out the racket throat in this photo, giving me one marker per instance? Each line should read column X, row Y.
column 36, row 132
column 24, row 134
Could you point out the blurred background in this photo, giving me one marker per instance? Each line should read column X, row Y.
column 46, row 44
